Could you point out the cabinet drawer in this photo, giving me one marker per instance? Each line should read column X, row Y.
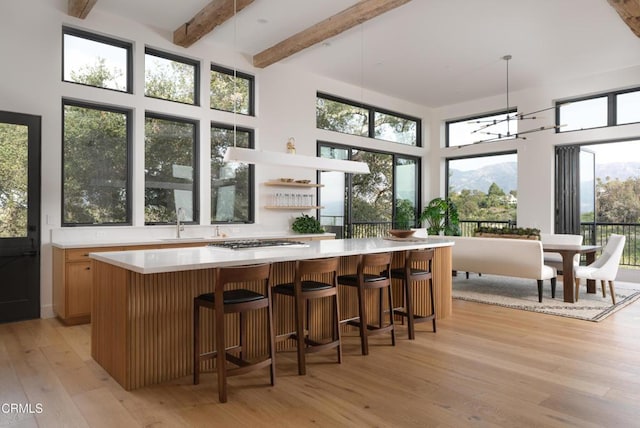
column 82, row 254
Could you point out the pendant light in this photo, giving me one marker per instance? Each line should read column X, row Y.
column 288, row 158
column 486, row 125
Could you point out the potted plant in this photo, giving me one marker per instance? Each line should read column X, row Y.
column 306, row 224
column 441, row 216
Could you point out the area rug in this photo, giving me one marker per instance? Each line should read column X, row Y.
column 518, row 293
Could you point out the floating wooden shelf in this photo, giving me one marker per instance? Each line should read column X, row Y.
column 291, row 184
column 279, row 207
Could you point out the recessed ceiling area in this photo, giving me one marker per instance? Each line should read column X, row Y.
column 429, row 52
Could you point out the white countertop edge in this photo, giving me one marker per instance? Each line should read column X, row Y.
column 186, row 240
column 192, row 258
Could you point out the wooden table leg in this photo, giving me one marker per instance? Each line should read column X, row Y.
column 591, row 283
column 567, row 275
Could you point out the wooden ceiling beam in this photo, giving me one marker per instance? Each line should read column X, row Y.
column 360, row 12
column 629, row 11
column 80, row 8
column 212, row 15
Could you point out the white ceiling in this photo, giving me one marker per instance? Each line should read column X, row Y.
column 431, row 52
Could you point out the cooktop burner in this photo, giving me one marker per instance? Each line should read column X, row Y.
column 255, row 243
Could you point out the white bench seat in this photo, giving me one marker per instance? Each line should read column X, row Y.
column 521, row 258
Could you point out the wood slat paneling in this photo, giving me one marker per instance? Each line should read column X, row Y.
column 142, row 331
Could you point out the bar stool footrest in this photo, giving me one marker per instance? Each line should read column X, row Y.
column 319, row 346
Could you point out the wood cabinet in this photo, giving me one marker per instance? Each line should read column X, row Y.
column 72, row 281
column 73, row 276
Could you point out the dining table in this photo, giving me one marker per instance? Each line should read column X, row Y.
column 568, row 252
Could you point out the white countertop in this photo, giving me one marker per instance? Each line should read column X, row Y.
column 181, row 259
column 186, row 240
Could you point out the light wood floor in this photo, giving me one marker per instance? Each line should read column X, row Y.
column 487, row 366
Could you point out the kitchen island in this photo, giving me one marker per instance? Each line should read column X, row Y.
column 142, row 311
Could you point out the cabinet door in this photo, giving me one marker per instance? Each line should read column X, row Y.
column 79, row 280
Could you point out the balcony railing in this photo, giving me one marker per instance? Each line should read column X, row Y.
column 593, row 233
column 598, row 233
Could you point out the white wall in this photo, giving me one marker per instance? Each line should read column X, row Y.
column 31, row 46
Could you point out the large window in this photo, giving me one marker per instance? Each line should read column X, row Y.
column 232, row 91
column 484, row 188
column 598, row 193
column 231, row 182
column 170, row 77
column 95, row 165
column 97, row 61
column 608, row 109
column 349, row 117
column 628, row 107
column 170, row 169
column 476, row 129
column 359, row 205
column 585, row 114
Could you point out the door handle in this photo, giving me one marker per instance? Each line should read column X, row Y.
column 30, row 253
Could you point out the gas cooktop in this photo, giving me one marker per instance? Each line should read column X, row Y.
column 255, row 243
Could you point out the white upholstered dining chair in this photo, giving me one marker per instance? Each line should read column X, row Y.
column 555, row 259
column 605, row 268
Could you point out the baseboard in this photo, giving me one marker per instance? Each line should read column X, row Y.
column 46, row 311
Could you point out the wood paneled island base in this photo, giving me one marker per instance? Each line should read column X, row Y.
column 141, row 331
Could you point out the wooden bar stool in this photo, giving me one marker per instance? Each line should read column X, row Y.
column 304, row 288
column 417, row 267
column 234, row 301
column 380, row 263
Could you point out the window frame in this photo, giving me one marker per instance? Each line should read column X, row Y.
column 76, row 32
column 371, row 110
column 612, row 108
column 251, row 203
column 447, row 123
column 129, row 135
column 349, row 178
column 447, row 174
column 176, row 58
column 196, row 166
column 238, row 74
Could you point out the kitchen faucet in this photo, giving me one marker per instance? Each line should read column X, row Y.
column 179, row 219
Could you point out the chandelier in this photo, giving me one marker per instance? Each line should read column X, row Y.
column 487, row 126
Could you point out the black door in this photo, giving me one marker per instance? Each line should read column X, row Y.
column 19, row 216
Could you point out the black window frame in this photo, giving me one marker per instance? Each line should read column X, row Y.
column 447, row 123
column 251, row 205
column 237, row 74
column 196, row 166
column 105, row 40
column 176, row 58
column 479, row 155
column 348, row 180
column 129, row 186
column 371, row 118
column 612, row 108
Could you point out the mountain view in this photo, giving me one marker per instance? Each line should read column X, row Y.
column 505, row 175
column 618, row 170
